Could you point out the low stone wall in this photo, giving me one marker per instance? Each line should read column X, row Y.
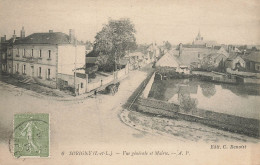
column 46, row 83
column 157, row 104
column 251, row 81
column 148, row 87
column 240, row 73
column 117, row 76
column 223, row 121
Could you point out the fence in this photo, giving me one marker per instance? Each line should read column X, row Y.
column 106, row 80
column 148, row 87
column 243, row 73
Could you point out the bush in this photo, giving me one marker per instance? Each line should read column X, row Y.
column 187, row 103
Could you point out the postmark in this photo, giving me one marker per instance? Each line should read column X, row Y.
column 31, row 135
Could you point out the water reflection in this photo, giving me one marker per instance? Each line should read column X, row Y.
column 241, row 100
column 208, row 89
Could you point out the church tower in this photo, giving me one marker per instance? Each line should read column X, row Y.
column 199, row 38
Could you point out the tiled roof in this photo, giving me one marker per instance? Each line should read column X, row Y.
column 254, row 56
column 45, row 38
column 10, row 41
column 168, row 60
column 92, row 54
column 139, row 54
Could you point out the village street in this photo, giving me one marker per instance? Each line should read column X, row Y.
column 74, row 125
column 80, row 125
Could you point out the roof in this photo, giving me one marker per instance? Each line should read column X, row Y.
column 223, row 51
column 123, row 61
column 92, row 54
column 91, row 60
column 168, row 60
column 254, row 56
column 45, row 38
column 190, row 55
column 232, row 55
column 10, row 41
column 139, row 54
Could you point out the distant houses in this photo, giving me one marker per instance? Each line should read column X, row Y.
column 253, row 61
column 234, row 62
column 172, row 63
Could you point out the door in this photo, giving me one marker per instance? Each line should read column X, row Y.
column 32, row 69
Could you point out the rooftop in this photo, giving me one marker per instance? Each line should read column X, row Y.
column 254, row 56
column 45, row 38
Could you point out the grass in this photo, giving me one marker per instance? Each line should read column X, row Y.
column 9, row 79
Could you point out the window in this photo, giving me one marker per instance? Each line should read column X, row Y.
column 81, row 85
column 17, row 67
column 40, row 72
column 3, row 55
column 18, row 51
column 40, row 53
column 257, row 67
column 23, row 52
column 49, row 54
column 48, row 73
column 32, row 52
column 24, row 69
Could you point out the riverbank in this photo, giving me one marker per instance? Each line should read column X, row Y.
column 180, row 130
column 228, row 122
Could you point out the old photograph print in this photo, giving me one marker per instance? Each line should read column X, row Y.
column 129, row 82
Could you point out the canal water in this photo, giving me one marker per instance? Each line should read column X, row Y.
column 240, row 100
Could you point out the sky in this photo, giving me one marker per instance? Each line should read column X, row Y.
column 176, row 21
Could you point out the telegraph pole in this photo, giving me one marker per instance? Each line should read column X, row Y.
column 75, row 44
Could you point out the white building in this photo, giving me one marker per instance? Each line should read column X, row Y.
column 49, row 58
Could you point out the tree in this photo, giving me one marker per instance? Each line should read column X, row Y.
column 254, row 48
column 208, row 89
column 207, row 63
column 143, row 48
column 89, row 45
column 167, row 45
column 187, row 103
column 114, row 40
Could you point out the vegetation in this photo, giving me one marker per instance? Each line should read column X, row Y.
column 167, row 46
column 187, row 103
column 113, row 42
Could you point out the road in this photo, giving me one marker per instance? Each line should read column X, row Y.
column 80, row 125
column 74, row 124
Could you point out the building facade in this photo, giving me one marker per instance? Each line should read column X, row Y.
column 51, row 59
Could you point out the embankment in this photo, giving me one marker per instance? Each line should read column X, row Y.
column 232, row 123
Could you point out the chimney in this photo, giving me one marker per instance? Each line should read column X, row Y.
column 72, row 36
column 180, row 49
column 14, row 36
column 22, row 33
column 50, row 31
column 3, row 39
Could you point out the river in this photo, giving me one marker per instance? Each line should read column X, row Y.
column 234, row 99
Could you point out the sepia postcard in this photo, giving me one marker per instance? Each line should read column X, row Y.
column 123, row 82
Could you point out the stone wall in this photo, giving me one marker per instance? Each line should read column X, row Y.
column 223, row 121
column 148, row 87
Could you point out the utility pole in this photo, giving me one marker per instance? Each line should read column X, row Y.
column 75, row 44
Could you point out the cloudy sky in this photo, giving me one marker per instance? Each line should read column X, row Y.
column 226, row 21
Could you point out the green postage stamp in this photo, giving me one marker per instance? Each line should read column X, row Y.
column 31, row 135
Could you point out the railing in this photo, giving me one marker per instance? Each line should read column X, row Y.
column 31, row 59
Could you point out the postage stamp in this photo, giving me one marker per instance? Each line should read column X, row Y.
column 31, row 135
